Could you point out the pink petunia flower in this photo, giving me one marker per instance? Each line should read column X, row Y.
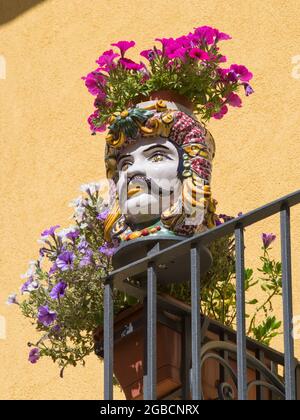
column 176, row 53
column 95, row 82
column 199, row 54
column 106, row 60
column 94, row 125
column 234, row 100
column 223, row 111
column 129, row 64
column 241, row 72
column 149, row 54
column 123, row 46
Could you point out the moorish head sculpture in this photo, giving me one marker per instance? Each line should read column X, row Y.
column 160, row 160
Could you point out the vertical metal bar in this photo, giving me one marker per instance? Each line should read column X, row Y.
column 185, row 356
column 240, row 317
column 150, row 379
column 145, row 355
column 150, row 391
column 108, row 341
column 289, row 362
column 223, row 336
column 196, row 323
column 261, row 392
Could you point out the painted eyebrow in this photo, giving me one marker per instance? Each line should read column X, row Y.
column 122, row 157
column 155, row 147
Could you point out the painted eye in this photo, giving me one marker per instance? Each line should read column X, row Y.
column 125, row 166
column 157, row 157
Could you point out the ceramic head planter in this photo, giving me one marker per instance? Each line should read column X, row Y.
column 160, row 158
column 159, row 155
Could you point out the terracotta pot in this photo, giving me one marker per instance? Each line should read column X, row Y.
column 166, row 95
column 129, row 351
column 172, row 96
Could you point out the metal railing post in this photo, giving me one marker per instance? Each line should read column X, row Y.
column 108, row 340
column 196, row 323
column 240, row 314
column 289, row 363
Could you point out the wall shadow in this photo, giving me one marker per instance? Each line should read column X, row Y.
column 10, row 9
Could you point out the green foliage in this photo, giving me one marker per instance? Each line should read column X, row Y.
column 218, row 296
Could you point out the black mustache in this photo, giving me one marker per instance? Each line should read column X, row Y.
column 151, row 184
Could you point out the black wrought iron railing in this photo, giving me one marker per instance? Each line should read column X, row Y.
column 192, row 383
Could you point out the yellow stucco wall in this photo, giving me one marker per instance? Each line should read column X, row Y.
column 47, row 151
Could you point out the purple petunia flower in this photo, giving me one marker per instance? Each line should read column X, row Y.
column 29, row 285
column 73, row 235
column 65, row 261
column 86, row 258
column 12, row 299
column 46, row 316
column 50, row 231
column 103, row 215
column 267, row 239
column 34, row 355
column 53, row 269
column 108, row 249
column 248, row 89
column 123, row 46
column 82, row 246
column 58, row 290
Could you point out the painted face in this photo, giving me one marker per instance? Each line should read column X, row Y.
column 148, row 179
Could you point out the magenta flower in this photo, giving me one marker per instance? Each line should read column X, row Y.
column 100, row 100
column 58, row 290
column 149, row 54
column 221, row 36
column 129, row 64
column 222, row 58
column 267, row 239
column 240, row 72
column 248, row 89
column 124, row 46
column 50, row 231
column 165, row 42
column 95, row 126
column 65, row 261
column 106, row 60
column 34, row 355
column 234, row 100
column 178, row 53
column 108, row 249
column 223, row 111
column 210, row 35
column 46, row 316
column 95, row 83
column 199, row 54
column 206, row 34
